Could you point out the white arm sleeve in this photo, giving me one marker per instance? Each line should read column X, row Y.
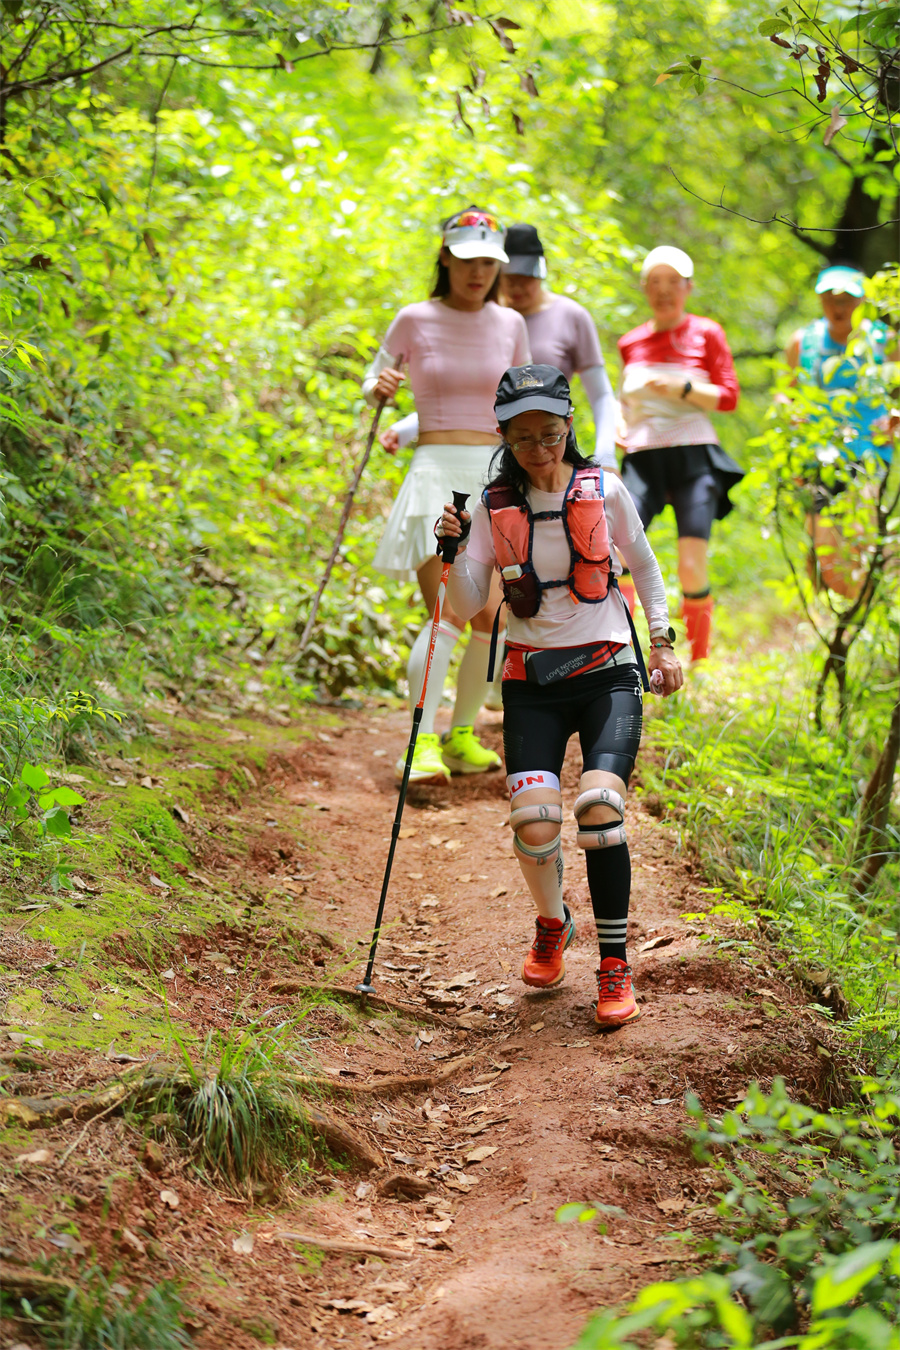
column 383, row 361
column 648, row 581
column 603, row 405
column 407, row 429
column 469, row 585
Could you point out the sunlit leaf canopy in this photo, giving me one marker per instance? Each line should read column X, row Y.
column 207, row 231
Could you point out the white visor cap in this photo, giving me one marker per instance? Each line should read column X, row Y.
column 667, row 256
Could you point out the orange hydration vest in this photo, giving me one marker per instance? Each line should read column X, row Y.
column 583, row 517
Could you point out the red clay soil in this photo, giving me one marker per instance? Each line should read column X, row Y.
column 549, row 1112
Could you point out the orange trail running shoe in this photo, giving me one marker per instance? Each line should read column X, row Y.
column 615, row 1002
column 545, row 964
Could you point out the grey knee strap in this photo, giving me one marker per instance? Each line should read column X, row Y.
column 537, row 814
column 538, row 855
column 611, row 832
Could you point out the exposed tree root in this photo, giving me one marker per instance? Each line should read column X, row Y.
column 20, row 1282
column 42, row 1112
column 366, row 1000
column 401, row 1183
column 339, row 1245
column 39, row 1112
column 341, row 1138
column 394, row 1086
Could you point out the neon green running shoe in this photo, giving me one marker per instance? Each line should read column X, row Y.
column 427, row 765
column 464, row 753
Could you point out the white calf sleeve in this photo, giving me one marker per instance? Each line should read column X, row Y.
column 541, row 864
column 471, row 680
column 447, row 638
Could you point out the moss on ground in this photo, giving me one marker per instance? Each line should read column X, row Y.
column 140, row 891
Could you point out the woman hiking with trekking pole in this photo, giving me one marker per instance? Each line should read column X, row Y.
column 457, row 345
column 677, row 368
column 550, row 522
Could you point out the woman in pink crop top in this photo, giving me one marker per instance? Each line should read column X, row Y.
column 677, row 368
column 456, row 345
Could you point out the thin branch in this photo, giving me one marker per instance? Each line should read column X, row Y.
column 777, row 219
column 156, row 112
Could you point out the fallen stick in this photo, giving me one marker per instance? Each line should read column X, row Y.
column 338, row 1245
column 370, row 1000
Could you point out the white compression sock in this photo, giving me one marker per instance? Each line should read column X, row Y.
column 542, row 868
column 471, row 682
column 447, row 638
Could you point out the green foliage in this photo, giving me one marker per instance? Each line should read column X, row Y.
column 100, row 1314
column 235, row 1116
column 769, row 804
column 808, row 1249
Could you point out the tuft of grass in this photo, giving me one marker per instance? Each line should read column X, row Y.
column 235, row 1113
column 103, row 1315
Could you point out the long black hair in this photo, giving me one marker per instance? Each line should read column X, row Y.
column 507, row 472
column 441, row 284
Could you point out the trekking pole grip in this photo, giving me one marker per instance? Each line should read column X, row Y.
column 449, row 544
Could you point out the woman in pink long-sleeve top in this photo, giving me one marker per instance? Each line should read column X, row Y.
column 455, row 345
column 677, row 369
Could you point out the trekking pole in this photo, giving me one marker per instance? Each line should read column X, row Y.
column 345, row 516
column 449, row 548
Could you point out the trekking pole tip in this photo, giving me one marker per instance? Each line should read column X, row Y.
column 365, row 988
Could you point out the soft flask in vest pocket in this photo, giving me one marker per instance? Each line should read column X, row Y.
column 521, row 590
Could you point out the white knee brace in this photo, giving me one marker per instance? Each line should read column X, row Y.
column 611, row 832
column 536, row 854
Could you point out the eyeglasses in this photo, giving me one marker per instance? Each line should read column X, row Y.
column 468, row 219
column 529, row 443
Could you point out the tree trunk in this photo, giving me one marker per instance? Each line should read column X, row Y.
column 872, row 844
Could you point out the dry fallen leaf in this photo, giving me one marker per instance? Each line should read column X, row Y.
column 167, row 974
column 465, row 878
column 482, row 1087
column 505, row 1000
column 496, row 893
column 460, row 981
column 479, row 1154
column 415, row 876
column 426, row 1037
column 671, row 1205
column 653, row 943
column 131, row 1240
column 383, row 1314
column 40, row 1155
column 537, row 1026
column 407, row 832
column 243, row 1245
column 439, row 1227
column 160, row 885
column 452, row 845
column 146, row 782
column 169, row 1198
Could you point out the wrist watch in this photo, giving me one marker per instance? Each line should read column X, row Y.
column 666, row 638
column 687, row 389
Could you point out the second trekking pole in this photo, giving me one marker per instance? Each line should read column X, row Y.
column 345, row 516
column 449, row 547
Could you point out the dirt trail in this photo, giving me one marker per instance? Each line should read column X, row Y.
column 565, row 1114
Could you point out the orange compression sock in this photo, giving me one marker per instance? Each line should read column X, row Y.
column 696, row 610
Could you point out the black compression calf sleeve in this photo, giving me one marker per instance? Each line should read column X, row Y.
column 609, row 879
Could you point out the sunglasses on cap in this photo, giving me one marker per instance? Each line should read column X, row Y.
column 469, row 219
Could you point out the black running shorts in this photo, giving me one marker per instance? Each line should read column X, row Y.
column 695, row 479
column 605, row 707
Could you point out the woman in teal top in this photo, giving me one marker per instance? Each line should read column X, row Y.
column 819, row 353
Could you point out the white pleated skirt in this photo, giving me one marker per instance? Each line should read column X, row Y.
column 435, row 473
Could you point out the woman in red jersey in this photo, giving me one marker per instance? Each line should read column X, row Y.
column 678, row 369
